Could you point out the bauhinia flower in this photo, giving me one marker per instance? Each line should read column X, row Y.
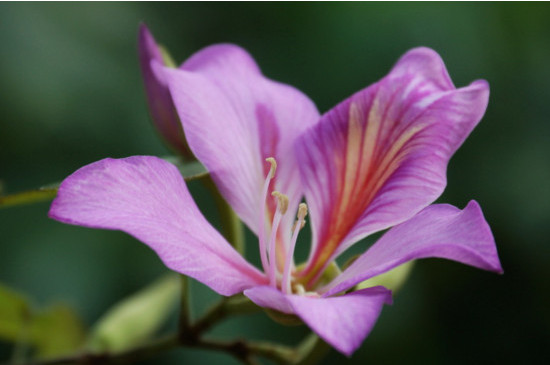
column 375, row 161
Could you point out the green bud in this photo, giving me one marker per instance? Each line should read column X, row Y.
column 136, row 318
column 393, row 279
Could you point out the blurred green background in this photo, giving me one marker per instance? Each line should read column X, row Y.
column 71, row 93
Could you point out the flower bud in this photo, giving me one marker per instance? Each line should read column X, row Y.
column 162, row 109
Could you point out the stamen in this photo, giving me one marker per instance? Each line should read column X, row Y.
column 282, row 201
column 282, row 206
column 273, row 168
column 302, row 212
column 261, row 228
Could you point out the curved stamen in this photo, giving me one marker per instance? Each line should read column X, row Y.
column 261, row 228
column 302, row 212
column 282, row 206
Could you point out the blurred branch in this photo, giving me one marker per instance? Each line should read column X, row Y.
column 242, row 350
column 132, row 355
column 238, row 304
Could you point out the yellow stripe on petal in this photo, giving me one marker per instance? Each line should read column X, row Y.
column 361, row 171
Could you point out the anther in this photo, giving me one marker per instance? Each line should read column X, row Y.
column 283, row 201
column 302, row 210
column 273, row 168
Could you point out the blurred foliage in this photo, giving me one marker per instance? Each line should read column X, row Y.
column 72, row 94
column 56, row 331
column 136, row 318
column 53, row 331
column 14, row 313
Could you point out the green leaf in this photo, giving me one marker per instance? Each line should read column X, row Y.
column 14, row 314
column 393, row 279
column 52, row 332
column 56, row 331
column 136, row 318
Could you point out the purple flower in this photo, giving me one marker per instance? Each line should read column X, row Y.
column 161, row 106
column 377, row 160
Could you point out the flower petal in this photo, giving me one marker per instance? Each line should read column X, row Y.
column 235, row 118
column 147, row 198
column 440, row 230
column 161, row 107
column 343, row 321
column 381, row 156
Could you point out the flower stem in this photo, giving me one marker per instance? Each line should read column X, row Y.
column 241, row 350
column 238, row 304
column 311, row 350
column 184, row 321
column 28, row 197
column 132, row 355
column 232, row 228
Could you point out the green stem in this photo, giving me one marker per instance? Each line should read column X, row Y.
column 132, row 355
column 232, row 228
column 238, row 304
column 28, row 197
column 185, row 307
column 243, row 351
column 311, row 350
column 278, row 353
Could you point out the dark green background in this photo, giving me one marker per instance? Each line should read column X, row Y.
column 71, row 93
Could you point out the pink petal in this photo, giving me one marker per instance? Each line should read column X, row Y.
column 161, row 107
column 147, row 198
column 235, row 118
column 440, row 231
column 379, row 157
column 343, row 321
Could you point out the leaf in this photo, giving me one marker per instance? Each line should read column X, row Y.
column 56, row 331
column 136, row 318
column 14, row 314
column 393, row 279
column 52, row 332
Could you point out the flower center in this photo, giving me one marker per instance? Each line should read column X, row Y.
column 268, row 247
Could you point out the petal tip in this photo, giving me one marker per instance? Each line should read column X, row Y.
column 480, row 85
column 492, row 260
column 147, row 45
